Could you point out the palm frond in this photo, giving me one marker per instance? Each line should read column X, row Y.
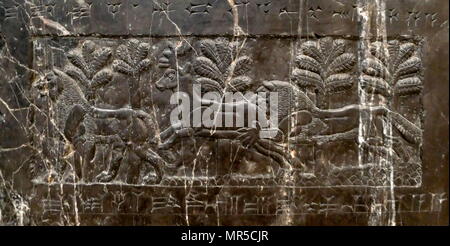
column 343, row 63
column 122, row 67
column 305, row 78
column 242, row 65
column 87, row 49
column 206, row 68
column 225, row 53
column 77, row 60
column 338, row 49
column 339, row 82
column 144, row 65
column 133, row 49
column 77, row 75
column 101, row 78
column 375, row 68
column 143, row 50
column 241, row 83
column 209, row 85
column 326, row 45
column 308, row 63
column 405, row 52
column 409, row 86
column 311, row 49
column 375, row 85
column 379, row 51
column 100, row 59
column 123, row 54
column 208, row 49
column 409, row 67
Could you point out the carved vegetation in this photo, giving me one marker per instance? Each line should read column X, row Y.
column 88, row 67
column 392, row 69
column 324, row 66
column 221, row 67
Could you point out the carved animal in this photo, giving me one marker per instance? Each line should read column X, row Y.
column 176, row 78
column 328, row 125
column 69, row 105
column 301, row 119
column 138, row 140
column 77, row 121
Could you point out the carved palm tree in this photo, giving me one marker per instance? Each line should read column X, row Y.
column 88, row 67
column 324, row 66
column 220, row 68
column 132, row 61
column 392, row 71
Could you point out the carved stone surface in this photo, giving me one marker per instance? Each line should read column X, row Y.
column 88, row 89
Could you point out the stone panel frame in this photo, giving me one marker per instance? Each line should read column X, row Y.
column 31, row 36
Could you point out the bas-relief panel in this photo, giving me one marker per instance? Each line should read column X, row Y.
column 115, row 94
column 349, row 146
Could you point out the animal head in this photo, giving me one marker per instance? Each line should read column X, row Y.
column 56, row 83
column 168, row 81
column 52, row 84
column 172, row 77
column 169, row 61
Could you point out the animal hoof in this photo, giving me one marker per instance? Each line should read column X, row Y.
column 104, row 177
column 150, row 179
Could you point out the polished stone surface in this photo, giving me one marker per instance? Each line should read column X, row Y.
column 86, row 136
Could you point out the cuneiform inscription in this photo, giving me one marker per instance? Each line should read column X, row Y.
column 113, row 7
column 265, row 6
column 199, row 8
column 11, row 10
column 163, row 7
column 239, row 203
column 80, row 12
column 277, row 11
column 42, row 8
